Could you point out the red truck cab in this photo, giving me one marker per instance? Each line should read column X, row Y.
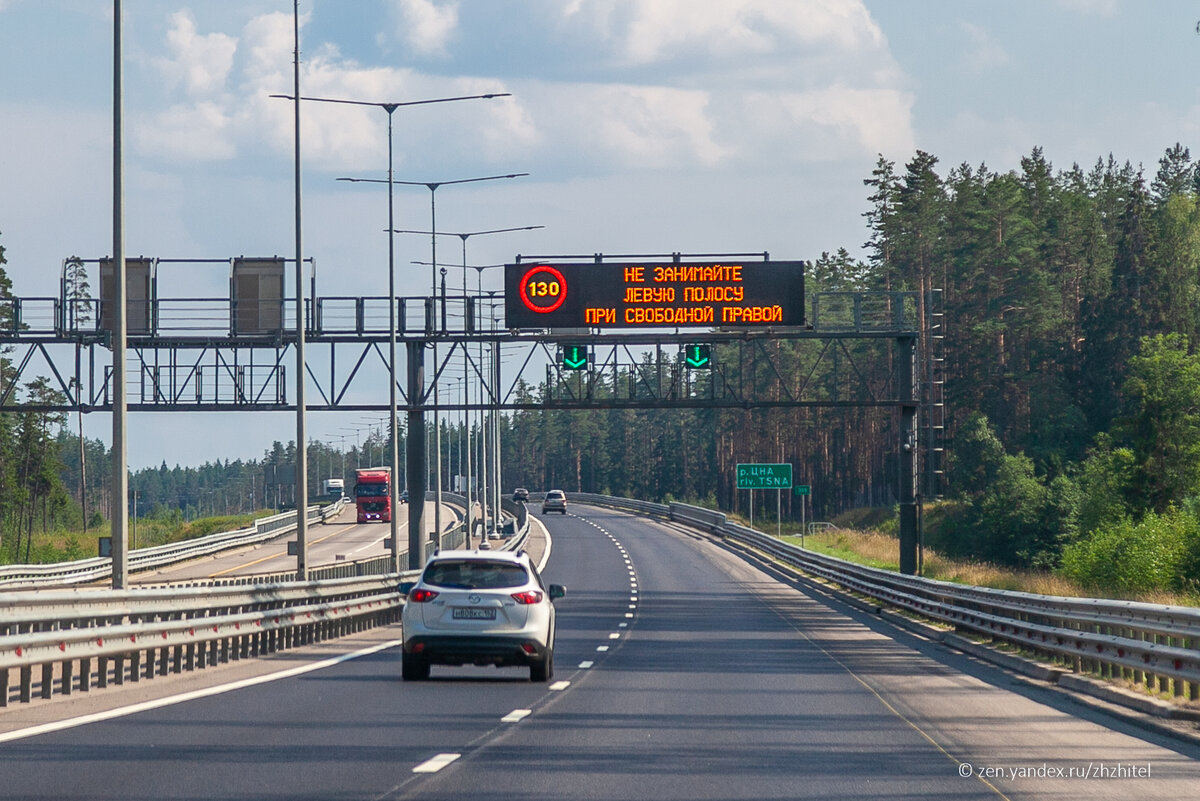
column 373, row 495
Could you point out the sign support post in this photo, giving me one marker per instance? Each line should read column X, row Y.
column 765, row 476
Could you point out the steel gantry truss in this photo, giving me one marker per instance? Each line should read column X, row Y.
column 750, row 368
column 170, row 368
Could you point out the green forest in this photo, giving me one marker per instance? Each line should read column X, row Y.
column 1070, row 368
column 1067, row 355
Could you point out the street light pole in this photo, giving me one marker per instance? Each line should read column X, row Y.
column 393, row 413
column 464, row 236
column 433, row 186
column 119, row 491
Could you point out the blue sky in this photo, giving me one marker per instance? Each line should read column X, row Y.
column 647, row 126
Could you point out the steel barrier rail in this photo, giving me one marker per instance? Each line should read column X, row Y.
column 1145, row 643
column 1076, row 638
column 175, row 628
column 140, row 633
column 95, row 568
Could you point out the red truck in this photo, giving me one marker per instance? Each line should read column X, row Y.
column 373, row 494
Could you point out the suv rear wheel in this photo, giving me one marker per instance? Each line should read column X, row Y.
column 414, row 667
column 543, row 670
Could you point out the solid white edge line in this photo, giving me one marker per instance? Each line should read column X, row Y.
column 549, row 544
column 436, row 763
column 159, row 703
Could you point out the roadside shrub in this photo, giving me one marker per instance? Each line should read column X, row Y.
column 1130, row 557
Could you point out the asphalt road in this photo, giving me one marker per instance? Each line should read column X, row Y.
column 681, row 673
column 340, row 539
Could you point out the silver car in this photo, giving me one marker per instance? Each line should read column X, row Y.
column 554, row 501
column 479, row 607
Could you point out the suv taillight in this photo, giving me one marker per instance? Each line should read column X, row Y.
column 422, row 595
column 528, row 597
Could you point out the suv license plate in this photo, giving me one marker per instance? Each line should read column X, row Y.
column 473, row 613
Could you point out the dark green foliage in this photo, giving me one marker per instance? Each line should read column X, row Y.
column 1158, row 552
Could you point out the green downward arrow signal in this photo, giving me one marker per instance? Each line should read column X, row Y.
column 575, row 357
column 698, row 356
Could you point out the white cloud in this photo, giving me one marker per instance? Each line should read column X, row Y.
column 828, row 124
column 200, row 63
column 778, row 108
column 654, row 30
column 266, row 49
column 650, row 127
column 985, row 52
column 427, row 25
column 802, row 80
column 199, row 132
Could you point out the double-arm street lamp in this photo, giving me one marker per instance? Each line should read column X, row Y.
column 390, row 108
column 464, row 236
column 433, row 186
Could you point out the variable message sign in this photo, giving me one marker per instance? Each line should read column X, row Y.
column 654, row 295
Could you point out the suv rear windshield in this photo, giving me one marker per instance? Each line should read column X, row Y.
column 475, row 574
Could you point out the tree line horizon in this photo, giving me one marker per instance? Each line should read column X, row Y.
column 1069, row 364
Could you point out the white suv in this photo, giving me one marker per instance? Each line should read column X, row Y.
column 479, row 608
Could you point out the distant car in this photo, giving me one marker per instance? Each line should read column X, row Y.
column 520, row 494
column 404, row 497
column 555, row 501
column 479, row 608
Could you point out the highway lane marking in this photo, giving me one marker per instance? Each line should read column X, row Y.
column 371, row 544
column 436, row 763
column 586, row 664
column 602, row 648
column 629, row 614
column 560, row 685
column 516, row 715
column 866, row 686
column 145, row 706
column 616, row 635
column 270, row 556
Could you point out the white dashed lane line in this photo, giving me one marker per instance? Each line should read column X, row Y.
column 437, row 763
column 516, row 715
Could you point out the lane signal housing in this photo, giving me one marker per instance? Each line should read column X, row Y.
column 697, row 357
column 574, row 357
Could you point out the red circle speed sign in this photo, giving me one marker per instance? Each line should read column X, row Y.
column 543, row 289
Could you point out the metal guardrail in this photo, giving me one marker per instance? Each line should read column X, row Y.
column 1154, row 645
column 96, row 568
column 140, row 633
column 136, row 634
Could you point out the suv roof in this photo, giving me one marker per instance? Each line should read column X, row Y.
column 518, row 557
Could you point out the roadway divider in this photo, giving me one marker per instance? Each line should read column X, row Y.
column 1156, row 646
column 95, row 569
column 76, row 640
column 132, row 635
